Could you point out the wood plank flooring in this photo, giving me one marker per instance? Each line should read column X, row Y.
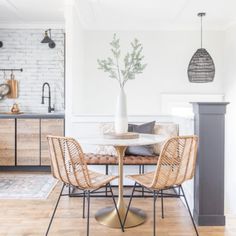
column 31, row 218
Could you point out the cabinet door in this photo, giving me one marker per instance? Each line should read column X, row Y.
column 7, row 142
column 28, row 142
column 49, row 127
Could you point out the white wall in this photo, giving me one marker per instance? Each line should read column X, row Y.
column 74, row 63
column 22, row 49
column 167, row 54
column 230, row 92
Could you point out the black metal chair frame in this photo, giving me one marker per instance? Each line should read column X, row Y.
column 162, row 195
column 142, row 192
column 155, row 194
column 85, row 194
column 141, row 171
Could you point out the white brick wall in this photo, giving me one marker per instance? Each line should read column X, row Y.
column 22, row 49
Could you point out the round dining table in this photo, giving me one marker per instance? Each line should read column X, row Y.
column 108, row 216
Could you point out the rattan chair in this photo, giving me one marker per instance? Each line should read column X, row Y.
column 69, row 166
column 175, row 165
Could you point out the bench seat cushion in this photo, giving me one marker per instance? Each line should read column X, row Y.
column 103, row 159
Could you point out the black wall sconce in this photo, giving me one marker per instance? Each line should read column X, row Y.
column 1, row 44
column 48, row 39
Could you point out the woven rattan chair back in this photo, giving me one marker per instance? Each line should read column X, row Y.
column 67, row 162
column 176, row 163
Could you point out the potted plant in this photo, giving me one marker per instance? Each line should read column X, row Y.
column 132, row 65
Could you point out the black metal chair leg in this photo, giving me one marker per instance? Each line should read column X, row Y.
column 69, row 191
column 142, row 187
column 83, row 204
column 88, row 211
column 162, row 205
column 114, row 201
column 155, row 195
column 131, row 197
column 52, row 217
column 106, row 174
column 106, row 169
column 189, row 211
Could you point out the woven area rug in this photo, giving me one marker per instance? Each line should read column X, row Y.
column 26, row 186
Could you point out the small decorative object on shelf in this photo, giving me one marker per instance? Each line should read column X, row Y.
column 15, row 109
column 201, row 68
column 127, row 135
column 132, row 66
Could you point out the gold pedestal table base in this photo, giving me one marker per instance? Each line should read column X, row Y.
column 108, row 216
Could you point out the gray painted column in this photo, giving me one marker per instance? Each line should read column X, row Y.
column 209, row 125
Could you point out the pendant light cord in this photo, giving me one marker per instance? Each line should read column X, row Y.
column 201, row 31
column 201, row 14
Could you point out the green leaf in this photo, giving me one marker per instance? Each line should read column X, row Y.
column 132, row 62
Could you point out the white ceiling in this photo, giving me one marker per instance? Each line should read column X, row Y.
column 38, row 12
column 122, row 14
column 155, row 14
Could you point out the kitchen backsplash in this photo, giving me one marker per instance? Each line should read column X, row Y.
column 22, row 49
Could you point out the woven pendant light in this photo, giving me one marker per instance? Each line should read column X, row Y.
column 201, row 68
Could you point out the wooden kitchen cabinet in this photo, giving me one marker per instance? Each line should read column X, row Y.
column 28, row 142
column 7, row 142
column 49, row 127
column 23, row 141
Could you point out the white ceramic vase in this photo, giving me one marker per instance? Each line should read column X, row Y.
column 121, row 119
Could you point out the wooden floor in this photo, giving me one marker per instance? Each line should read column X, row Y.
column 28, row 218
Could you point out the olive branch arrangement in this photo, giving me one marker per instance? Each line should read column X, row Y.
column 132, row 62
